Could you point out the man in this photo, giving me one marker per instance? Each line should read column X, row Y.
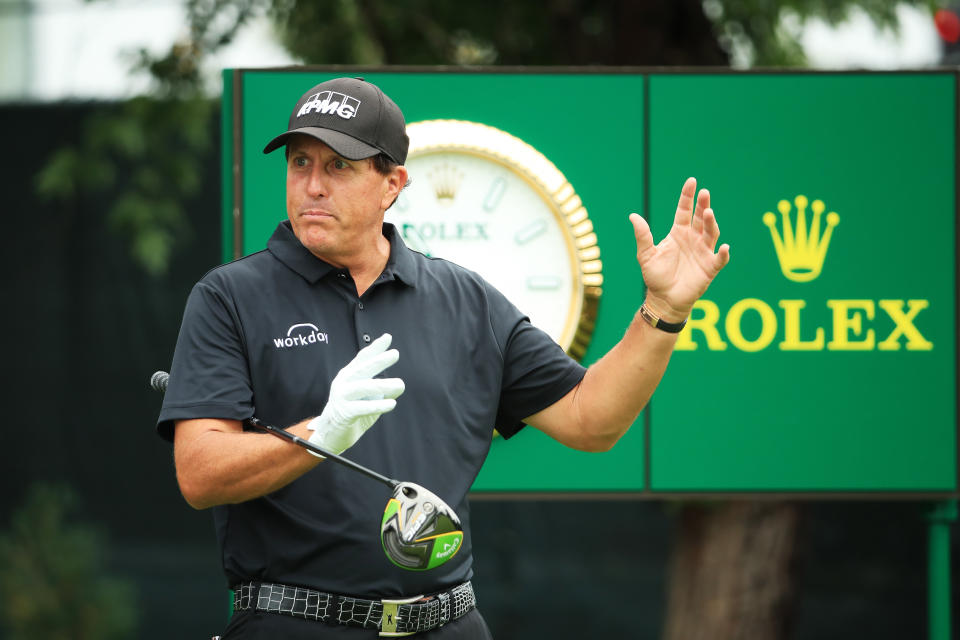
column 289, row 335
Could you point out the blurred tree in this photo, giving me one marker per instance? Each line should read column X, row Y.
column 504, row 32
column 146, row 151
column 733, row 573
column 563, row 32
column 766, row 33
column 53, row 585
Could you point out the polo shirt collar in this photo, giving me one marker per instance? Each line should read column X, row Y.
column 401, row 262
column 286, row 248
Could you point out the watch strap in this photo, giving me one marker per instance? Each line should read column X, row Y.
column 663, row 325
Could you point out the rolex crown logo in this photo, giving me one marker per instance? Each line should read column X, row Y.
column 445, row 179
column 801, row 252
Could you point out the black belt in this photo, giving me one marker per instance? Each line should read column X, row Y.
column 392, row 617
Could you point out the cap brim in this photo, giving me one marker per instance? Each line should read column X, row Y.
column 347, row 146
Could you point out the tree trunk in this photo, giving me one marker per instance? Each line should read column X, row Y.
column 732, row 572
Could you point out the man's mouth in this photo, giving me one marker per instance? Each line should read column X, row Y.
column 316, row 214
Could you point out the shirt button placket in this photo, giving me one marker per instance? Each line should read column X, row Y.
column 364, row 336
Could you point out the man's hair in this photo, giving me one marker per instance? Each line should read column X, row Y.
column 384, row 165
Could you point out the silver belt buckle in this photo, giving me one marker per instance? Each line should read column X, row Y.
column 388, row 623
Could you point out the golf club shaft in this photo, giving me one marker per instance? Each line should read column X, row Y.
column 277, row 431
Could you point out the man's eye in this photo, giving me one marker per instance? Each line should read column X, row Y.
column 300, row 162
column 340, row 163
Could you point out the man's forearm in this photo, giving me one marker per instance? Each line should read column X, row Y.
column 676, row 272
column 219, row 463
column 599, row 410
column 617, row 387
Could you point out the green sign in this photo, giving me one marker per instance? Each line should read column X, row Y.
column 823, row 359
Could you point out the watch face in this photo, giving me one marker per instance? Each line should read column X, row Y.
column 491, row 203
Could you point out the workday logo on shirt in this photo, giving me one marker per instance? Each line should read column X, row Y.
column 301, row 335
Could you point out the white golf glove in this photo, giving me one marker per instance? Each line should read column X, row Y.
column 357, row 399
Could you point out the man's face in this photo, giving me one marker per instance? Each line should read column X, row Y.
column 336, row 205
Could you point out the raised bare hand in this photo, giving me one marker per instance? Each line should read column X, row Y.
column 678, row 270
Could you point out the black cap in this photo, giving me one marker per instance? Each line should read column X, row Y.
column 351, row 116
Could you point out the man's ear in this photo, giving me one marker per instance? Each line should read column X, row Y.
column 396, row 181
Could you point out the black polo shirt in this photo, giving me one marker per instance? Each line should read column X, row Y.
column 266, row 334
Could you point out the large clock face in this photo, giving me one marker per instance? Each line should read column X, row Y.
column 491, row 203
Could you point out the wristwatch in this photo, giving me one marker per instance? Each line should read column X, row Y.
column 663, row 325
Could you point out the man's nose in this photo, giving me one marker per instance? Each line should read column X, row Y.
column 316, row 184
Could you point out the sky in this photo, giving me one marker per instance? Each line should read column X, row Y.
column 82, row 50
column 71, row 49
column 859, row 44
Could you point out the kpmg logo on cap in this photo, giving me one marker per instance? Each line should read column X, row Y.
column 327, row 102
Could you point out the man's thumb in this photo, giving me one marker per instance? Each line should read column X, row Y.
column 641, row 231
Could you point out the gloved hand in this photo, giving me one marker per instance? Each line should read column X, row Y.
column 357, row 399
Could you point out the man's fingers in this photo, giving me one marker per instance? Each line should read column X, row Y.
column 685, row 205
column 373, row 389
column 722, row 257
column 711, row 230
column 360, row 408
column 371, row 365
column 703, row 203
column 711, row 234
column 379, row 345
column 390, row 387
column 641, row 231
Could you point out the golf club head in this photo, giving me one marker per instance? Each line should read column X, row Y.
column 419, row 531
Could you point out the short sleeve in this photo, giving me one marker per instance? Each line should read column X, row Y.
column 536, row 371
column 209, row 376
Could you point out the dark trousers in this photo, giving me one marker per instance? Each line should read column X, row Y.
column 259, row 625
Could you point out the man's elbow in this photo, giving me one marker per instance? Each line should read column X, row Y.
column 599, row 443
column 192, row 462
column 590, row 439
column 197, row 494
column 589, row 436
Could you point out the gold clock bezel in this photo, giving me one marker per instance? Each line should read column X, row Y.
column 462, row 136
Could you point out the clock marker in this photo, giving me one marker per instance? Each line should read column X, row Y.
column 495, row 194
column 529, row 232
column 543, row 282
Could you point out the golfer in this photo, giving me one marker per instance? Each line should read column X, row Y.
column 340, row 333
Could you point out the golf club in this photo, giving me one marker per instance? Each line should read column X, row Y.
column 419, row 531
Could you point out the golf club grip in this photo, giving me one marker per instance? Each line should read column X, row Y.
column 256, row 422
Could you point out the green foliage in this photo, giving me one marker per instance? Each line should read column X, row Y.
column 52, row 582
column 577, row 32
column 505, row 32
column 419, row 32
column 146, row 154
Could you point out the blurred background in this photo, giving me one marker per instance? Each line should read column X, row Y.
column 110, row 112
